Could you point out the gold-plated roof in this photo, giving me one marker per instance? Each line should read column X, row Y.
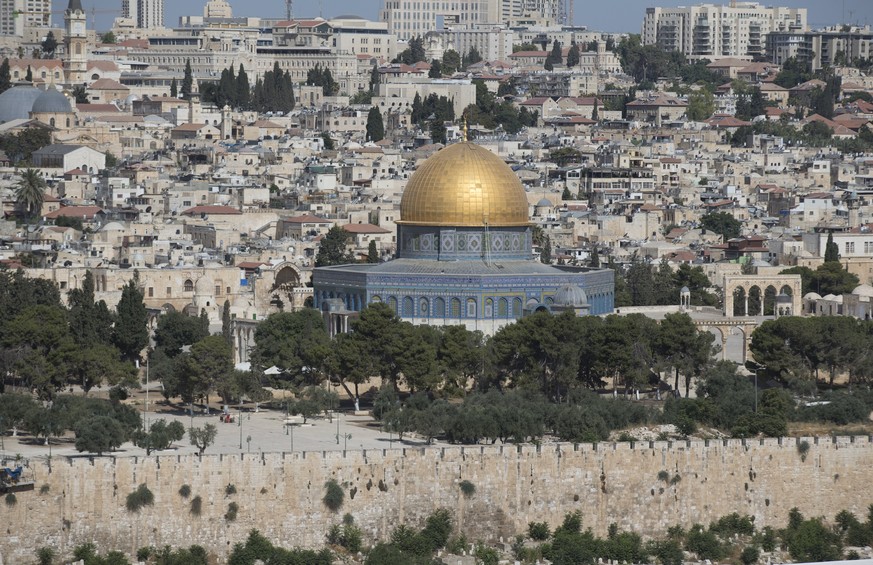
column 464, row 185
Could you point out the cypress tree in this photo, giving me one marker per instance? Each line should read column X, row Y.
column 226, row 326
column 832, row 251
column 130, row 333
column 29, row 76
column 372, row 252
column 174, row 89
column 243, row 93
column 187, row 81
column 375, row 125
column 5, row 76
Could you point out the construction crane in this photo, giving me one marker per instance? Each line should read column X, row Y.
column 46, row 14
column 95, row 11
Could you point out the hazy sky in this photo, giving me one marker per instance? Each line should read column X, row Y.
column 614, row 15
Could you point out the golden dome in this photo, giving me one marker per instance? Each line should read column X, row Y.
column 464, row 185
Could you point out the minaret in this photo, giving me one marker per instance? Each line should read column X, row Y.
column 75, row 43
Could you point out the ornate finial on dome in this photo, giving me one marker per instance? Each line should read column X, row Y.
column 464, row 129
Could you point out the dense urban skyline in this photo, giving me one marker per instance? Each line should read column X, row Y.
column 587, row 12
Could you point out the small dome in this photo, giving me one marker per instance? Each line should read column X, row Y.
column 113, row 226
column 15, row 103
column 570, row 295
column 829, row 297
column 203, row 286
column 863, row 290
column 783, row 298
column 685, row 290
column 812, row 296
column 52, row 102
column 544, row 202
column 131, row 98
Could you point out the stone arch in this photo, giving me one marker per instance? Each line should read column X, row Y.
column 376, row 299
column 786, row 289
column 189, row 285
column 287, row 277
column 768, row 307
column 392, row 303
column 191, row 310
column 423, row 307
column 755, row 300
column 489, row 308
column 168, row 308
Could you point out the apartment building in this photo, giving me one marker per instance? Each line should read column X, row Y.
column 146, row 14
column 708, row 31
column 833, row 46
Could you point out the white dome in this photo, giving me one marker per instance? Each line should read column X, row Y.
column 113, row 226
column 203, row 286
column 812, row 296
column 864, row 290
column 570, row 295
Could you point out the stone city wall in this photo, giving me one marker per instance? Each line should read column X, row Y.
column 80, row 500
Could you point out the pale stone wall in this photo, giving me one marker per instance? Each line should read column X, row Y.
column 280, row 494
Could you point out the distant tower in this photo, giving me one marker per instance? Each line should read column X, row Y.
column 75, row 43
column 289, row 9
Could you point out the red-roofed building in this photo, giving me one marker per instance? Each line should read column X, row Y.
column 300, row 227
column 86, row 213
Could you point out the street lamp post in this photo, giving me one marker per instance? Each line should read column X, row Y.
column 240, row 425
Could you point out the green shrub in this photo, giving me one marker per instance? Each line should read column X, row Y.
column 676, row 479
column 142, row 496
column 229, row 490
column 704, row 543
column 231, row 513
column 468, row 488
column 750, row 555
column 143, row 553
column 663, row 476
column 44, row 489
column 458, row 545
column 11, row 500
column 45, row 556
column 538, row 531
column 333, row 495
column 185, row 491
column 196, row 505
column 803, row 449
column 486, row 555
column 734, row 524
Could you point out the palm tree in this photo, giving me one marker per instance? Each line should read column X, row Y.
column 30, row 192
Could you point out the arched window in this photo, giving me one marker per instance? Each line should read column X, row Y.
column 503, row 308
column 471, row 308
column 408, row 307
column 68, row 122
column 52, row 122
column 489, row 308
column 456, row 308
column 376, row 299
column 516, row 308
column 423, row 309
column 392, row 303
column 189, row 286
column 439, row 308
